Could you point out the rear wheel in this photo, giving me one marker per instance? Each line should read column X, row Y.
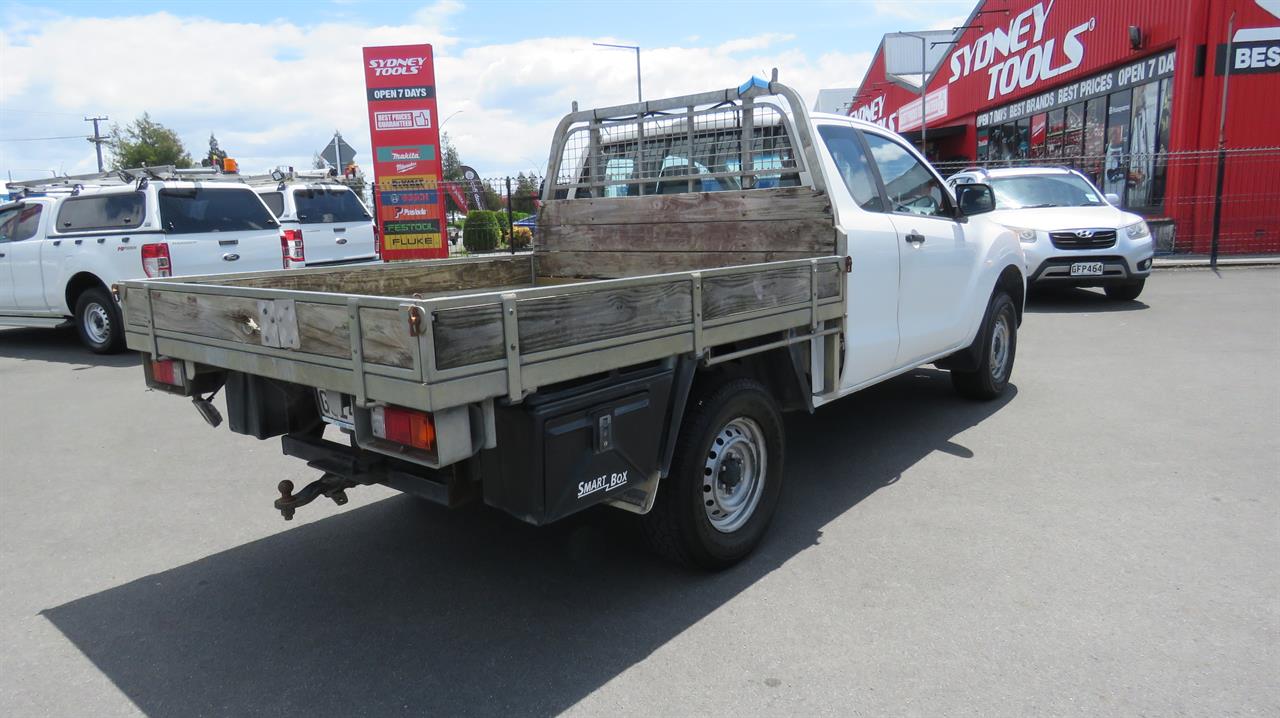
column 997, row 345
column 98, row 321
column 715, row 506
column 1125, row 292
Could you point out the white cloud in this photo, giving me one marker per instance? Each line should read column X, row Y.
column 274, row 93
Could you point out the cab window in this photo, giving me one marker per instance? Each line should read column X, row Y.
column 910, row 186
column 274, row 201
column 20, row 222
column 851, row 161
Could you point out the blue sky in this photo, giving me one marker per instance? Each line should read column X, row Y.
column 274, row 79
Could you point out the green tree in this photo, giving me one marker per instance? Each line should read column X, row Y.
column 481, row 232
column 524, row 193
column 216, row 154
column 145, row 142
column 451, row 163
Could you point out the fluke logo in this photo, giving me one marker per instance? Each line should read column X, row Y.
column 397, row 66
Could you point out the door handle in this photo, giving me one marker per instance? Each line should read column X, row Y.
column 914, row 237
column 227, row 242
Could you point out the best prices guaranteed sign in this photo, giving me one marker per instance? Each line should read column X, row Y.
column 400, row 87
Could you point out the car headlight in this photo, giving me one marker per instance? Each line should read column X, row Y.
column 1025, row 235
column 1138, row 230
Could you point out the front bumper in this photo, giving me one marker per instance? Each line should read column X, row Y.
column 1116, row 269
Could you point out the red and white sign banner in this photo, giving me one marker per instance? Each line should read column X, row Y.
column 400, row 87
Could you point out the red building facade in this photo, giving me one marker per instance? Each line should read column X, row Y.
column 1131, row 92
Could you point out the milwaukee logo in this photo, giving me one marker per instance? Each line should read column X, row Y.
column 404, row 167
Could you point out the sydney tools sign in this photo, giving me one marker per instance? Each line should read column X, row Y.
column 400, row 87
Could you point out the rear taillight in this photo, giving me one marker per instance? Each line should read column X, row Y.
column 291, row 248
column 405, row 426
column 167, row 371
column 155, row 260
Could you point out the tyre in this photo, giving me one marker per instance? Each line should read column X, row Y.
column 1125, row 292
column 726, row 475
column 98, row 321
column 997, row 345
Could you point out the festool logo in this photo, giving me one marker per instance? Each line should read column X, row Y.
column 409, row 152
column 422, row 227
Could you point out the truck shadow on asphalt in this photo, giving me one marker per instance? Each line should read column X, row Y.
column 57, row 345
column 404, row 607
column 1077, row 300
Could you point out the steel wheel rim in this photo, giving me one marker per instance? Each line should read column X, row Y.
column 734, row 474
column 1000, row 347
column 97, row 323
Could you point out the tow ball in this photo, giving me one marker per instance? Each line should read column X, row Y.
column 330, row 485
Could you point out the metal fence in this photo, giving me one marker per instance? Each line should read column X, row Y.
column 1206, row 202
column 514, row 199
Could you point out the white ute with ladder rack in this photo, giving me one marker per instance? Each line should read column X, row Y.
column 702, row 264
column 66, row 241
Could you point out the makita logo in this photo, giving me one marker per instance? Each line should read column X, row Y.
column 405, row 155
column 404, row 167
column 410, row 212
column 397, row 66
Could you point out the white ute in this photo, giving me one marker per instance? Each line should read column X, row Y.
column 322, row 222
column 1072, row 234
column 702, row 264
column 62, row 250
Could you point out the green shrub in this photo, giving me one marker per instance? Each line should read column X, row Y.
column 520, row 215
column 501, row 216
column 481, row 231
column 521, row 237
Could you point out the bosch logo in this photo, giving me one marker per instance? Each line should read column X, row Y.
column 397, row 66
column 1084, row 233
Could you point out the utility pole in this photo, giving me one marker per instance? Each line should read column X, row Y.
column 97, row 138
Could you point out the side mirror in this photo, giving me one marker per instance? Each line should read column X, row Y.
column 974, row 199
column 1112, row 198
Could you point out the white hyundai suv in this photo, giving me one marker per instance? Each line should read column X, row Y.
column 1072, row 234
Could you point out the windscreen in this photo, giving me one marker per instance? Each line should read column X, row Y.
column 203, row 209
column 327, row 205
column 1029, row 192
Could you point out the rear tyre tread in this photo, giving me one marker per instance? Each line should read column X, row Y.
column 115, row 339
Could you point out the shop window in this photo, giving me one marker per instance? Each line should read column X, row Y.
column 984, row 137
column 1143, row 127
column 1073, row 137
column 1116, row 161
column 1024, row 139
column 1162, row 142
column 1039, row 123
column 1095, row 134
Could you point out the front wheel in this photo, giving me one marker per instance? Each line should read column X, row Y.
column 726, row 475
column 98, row 322
column 997, row 344
column 1125, row 292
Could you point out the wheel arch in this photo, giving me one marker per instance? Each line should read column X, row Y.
column 79, row 282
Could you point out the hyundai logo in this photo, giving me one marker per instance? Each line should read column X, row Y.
column 1084, row 233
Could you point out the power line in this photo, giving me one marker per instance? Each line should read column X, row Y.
column 37, row 139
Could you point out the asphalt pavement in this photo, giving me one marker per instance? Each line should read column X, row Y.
column 1103, row 541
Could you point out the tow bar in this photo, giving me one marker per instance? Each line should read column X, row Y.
column 330, row 485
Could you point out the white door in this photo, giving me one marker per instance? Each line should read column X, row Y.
column 871, row 336
column 335, row 225
column 20, row 242
column 936, row 259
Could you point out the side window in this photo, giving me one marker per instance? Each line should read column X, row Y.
column 101, row 212
column 25, row 223
column 911, row 187
column 846, row 151
column 8, row 224
column 274, row 201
